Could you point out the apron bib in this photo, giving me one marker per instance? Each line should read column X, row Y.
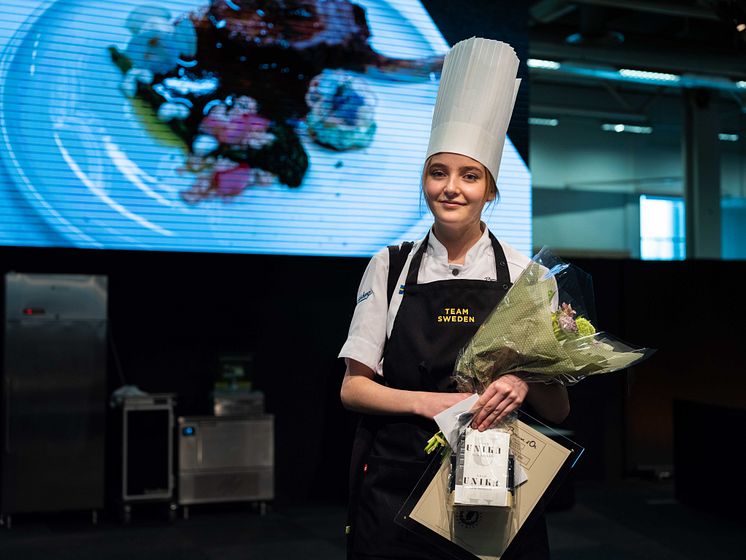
column 434, row 322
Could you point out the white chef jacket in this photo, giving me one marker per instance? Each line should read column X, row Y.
column 373, row 318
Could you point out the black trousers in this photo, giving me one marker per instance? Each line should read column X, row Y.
column 531, row 544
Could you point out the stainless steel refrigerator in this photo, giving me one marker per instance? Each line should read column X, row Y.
column 53, row 393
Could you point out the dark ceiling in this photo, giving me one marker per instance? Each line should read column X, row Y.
column 694, row 36
column 702, row 43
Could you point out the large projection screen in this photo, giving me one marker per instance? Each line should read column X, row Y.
column 294, row 127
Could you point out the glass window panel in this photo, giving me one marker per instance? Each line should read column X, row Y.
column 662, row 232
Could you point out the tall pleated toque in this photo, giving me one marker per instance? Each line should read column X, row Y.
column 475, row 101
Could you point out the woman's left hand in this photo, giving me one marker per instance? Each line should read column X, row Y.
column 500, row 398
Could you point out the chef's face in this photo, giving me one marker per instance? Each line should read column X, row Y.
column 456, row 188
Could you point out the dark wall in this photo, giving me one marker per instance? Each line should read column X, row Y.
column 172, row 314
column 696, row 319
column 503, row 20
column 692, row 313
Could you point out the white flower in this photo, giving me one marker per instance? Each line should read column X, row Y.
column 260, row 138
column 132, row 77
column 341, row 112
column 184, row 86
column 185, row 37
column 140, row 15
column 170, row 111
column 204, row 144
column 142, row 75
column 157, row 42
column 129, row 85
column 327, row 85
column 246, row 104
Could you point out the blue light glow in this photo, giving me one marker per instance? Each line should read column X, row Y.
column 85, row 162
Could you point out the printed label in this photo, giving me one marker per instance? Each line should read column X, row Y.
column 456, row 315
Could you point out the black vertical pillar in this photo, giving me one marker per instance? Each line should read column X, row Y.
column 701, row 156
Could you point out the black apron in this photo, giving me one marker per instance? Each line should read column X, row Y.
column 435, row 320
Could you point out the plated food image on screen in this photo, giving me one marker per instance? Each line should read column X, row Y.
column 244, row 126
column 244, row 84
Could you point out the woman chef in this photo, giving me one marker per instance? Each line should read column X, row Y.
column 400, row 355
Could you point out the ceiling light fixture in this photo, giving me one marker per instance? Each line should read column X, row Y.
column 631, row 128
column 648, row 76
column 543, row 64
column 606, row 39
column 539, row 121
column 728, row 137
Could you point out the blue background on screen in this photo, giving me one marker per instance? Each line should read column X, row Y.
column 81, row 170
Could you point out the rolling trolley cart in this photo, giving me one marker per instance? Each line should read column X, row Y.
column 147, row 424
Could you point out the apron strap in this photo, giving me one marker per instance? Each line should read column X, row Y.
column 397, row 258
column 501, row 263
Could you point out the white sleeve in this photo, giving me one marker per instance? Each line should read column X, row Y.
column 367, row 335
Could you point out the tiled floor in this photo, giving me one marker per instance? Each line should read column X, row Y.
column 631, row 520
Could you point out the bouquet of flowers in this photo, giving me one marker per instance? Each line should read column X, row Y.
column 541, row 328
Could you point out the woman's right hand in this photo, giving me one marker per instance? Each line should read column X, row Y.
column 361, row 393
column 430, row 404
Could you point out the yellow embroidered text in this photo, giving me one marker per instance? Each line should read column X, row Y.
column 455, row 315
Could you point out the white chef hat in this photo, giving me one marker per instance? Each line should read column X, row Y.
column 475, row 101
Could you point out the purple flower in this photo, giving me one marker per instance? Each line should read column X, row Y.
column 239, row 125
column 566, row 318
column 224, row 178
column 567, row 324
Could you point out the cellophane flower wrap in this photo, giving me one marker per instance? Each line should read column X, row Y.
column 542, row 330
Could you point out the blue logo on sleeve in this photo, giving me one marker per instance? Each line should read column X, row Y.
column 365, row 295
